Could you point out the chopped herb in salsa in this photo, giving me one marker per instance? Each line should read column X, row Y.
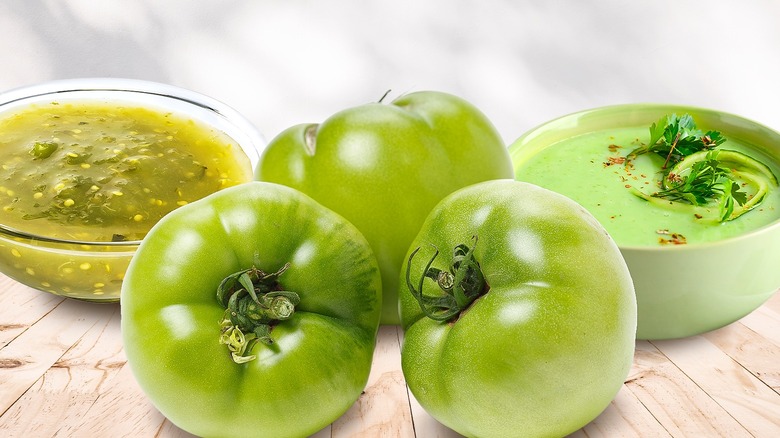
column 101, row 172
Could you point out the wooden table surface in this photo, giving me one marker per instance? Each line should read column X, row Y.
column 63, row 373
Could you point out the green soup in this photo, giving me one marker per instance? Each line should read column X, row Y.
column 590, row 169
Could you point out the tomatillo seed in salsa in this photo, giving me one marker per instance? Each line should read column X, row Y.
column 93, row 171
column 83, row 180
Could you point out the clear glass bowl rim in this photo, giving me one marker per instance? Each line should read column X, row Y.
column 123, row 85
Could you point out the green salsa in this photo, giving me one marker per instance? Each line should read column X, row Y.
column 88, row 171
column 93, row 171
column 590, row 169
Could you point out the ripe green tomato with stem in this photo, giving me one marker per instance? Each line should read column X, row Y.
column 518, row 312
column 384, row 166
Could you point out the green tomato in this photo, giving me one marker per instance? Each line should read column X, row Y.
column 287, row 358
column 518, row 311
column 383, row 167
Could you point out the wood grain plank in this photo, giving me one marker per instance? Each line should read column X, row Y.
column 773, row 302
column 326, row 432
column 753, row 352
column 626, row 417
column 383, row 408
column 63, row 373
column 426, row 426
column 72, row 383
column 766, row 319
column 21, row 307
column 678, row 404
column 122, row 409
column 169, row 430
column 745, row 398
column 32, row 353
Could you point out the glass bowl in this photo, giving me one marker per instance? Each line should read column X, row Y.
column 53, row 252
column 682, row 289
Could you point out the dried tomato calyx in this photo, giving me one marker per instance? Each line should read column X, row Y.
column 459, row 286
column 254, row 302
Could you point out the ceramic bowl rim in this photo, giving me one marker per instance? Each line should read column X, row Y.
column 773, row 226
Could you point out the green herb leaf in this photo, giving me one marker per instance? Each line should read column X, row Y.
column 657, row 130
column 42, row 150
column 674, row 138
column 706, row 182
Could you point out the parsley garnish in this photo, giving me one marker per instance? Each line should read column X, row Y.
column 694, row 173
column 708, row 181
column 674, row 138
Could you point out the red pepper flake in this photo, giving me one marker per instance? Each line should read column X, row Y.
column 698, row 216
column 614, row 147
column 668, row 238
column 628, row 186
column 673, row 177
column 614, row 160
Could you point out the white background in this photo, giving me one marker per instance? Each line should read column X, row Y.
column 284, row 62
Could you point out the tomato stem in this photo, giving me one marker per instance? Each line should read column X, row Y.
column 254, row 302
column 461, row 284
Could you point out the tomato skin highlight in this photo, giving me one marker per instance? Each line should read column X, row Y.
column 550, row 343
column 319, row 362
column 384, row 166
